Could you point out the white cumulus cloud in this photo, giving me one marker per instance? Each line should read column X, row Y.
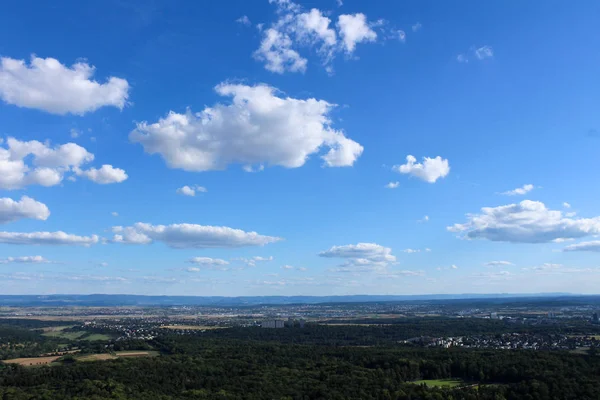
column 277, row 53
column 188, row 236
column 354, row 29
column 207, row 261
column 296, row 29
column 430, row 170
column 361, row 257
column 191, row 190
column 36, row 163
column 519, row 191
column 47, row 238
column 12, row 210
column 392, row 185
column 258, row 127
column 367, row 251
column 105, row 175
column 525, row 222
column 566, row 205
column 46, row 84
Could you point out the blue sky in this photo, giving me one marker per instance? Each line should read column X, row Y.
column 291, row 124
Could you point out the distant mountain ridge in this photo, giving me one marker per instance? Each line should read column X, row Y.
column 140, row 300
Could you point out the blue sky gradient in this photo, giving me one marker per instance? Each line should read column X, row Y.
column 506, row 93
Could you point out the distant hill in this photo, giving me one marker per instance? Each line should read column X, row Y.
column 137, row 300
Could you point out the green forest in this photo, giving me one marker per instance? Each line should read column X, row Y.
column 316, row 363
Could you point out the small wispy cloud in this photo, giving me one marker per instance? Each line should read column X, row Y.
column 392, row 185
column 484, row 52
column 498, row 264
column 244, row 20
column 476, row 53
column 519, row 191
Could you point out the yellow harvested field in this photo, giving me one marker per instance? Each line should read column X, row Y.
column 192, row 327
column 96, row 357
column 33, row 361
column 118, row 354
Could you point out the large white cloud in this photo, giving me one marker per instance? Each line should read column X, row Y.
column 593, row 245
column 525, row 222
column 46, row 84
column 47, row 238
column 105, row 175
column 11, row 210
column 430, row 170
column 24, row 260
column 183, row 236
column 258, row 127
column 24, row 163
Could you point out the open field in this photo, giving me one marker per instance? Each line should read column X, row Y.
column 97, row 336
column 65, row 335
column 39, row 361
column 97, row 357
column 34, row 361
column 137, row 353
column 449, row 383
column 59, row 332
column 118, row 354
column 50, row 329
column 192, row 327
